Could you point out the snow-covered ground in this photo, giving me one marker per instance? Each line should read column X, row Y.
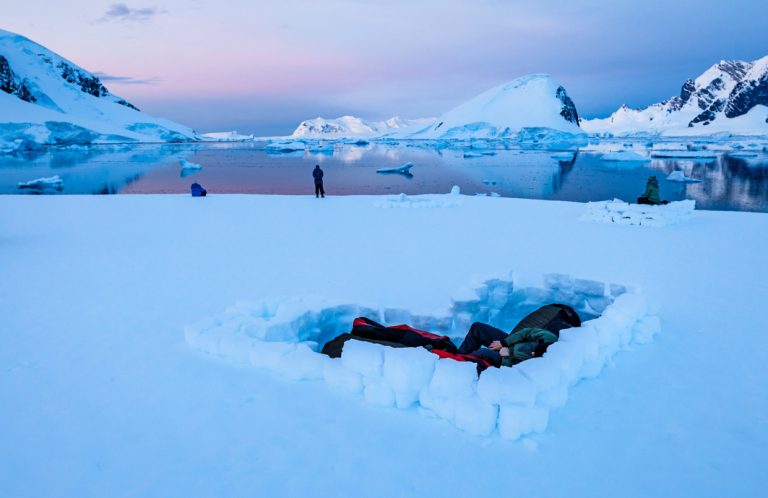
column 102, row 396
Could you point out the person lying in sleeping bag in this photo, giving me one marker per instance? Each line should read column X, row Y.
column 502, row 349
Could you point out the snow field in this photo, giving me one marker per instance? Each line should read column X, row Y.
column 285, row 337
column 624, row 213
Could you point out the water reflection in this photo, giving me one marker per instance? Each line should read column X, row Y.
column 89, row 170
column 729, row 182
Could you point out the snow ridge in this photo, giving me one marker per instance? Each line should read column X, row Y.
column 530, row 106
column 354, row 127
column 730, row 96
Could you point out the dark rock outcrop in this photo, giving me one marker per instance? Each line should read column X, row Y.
column 568, row 109
column 747, row 95
column 9, row 82
column 87, row 83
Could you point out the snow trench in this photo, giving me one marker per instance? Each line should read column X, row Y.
column 285, row 336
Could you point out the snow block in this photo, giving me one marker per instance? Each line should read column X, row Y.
column 362, row 357
column 506, row 386
column 407, row 371
column 541, row 374
column 474, row 416
column 337, row 376
column 304, row 364
column 516, row 421
column 442, row 407
column 454, row 379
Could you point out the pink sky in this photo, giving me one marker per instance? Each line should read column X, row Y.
column 263, row 66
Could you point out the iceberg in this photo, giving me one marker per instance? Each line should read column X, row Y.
column 42, row 183
column 405, row 169
column 624, row 155
column 679, row 176
column 189, row 165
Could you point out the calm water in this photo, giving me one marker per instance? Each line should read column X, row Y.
column 729, row 183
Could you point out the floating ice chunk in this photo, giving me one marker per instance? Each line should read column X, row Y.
column 506, row 386
column 624, row 155
column 684, row 154
column 324, row 148
column 742, row 155
column 679, row 176
column 563, row 156
column 455, row 190
column 363, row 357
column 42, row 183
column 407, row 371
column 515, row 421
column 189, row 165
column 285, row 146
column 404, row 169
column 226, row 136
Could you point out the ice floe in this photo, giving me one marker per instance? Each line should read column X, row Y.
column 624, row 155
column 43, row 183
column 405, row 169
column 679, row 176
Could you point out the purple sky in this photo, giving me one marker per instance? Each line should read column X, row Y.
column 262, row 67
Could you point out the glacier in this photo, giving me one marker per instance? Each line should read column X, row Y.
column 46, row 99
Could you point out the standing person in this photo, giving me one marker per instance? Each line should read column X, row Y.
column 317, row 174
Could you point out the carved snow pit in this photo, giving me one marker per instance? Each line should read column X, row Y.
column 285, row 336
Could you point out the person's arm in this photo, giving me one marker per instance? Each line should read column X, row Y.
column 523, row 343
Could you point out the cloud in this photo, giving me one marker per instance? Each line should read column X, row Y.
column 126, row 80
column 120, row 12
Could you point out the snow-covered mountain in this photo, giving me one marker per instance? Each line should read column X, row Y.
column 354, row 127
column 526, row 106
column 532, row 102
column 47, row 99
column 731, row 96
